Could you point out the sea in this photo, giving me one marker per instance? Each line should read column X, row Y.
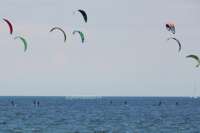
column 99, row 115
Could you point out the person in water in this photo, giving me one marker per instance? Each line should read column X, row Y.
column 34, row 103
column 160, row 103
column 176, row 103
column 125, row 102
column 38, row 103
column 12, row 103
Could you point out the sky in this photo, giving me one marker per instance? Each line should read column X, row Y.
column 125, row 52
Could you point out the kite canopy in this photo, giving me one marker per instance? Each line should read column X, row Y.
column 23, row 40
column 83, row 14
column 170, row 27
column 58, row 28
column 195, row 57
column 81, row 35
column 9, row 25
column 178, row 42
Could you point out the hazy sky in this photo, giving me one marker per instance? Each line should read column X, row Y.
column 125, row 53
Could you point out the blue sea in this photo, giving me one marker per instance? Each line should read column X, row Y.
column 99, row 115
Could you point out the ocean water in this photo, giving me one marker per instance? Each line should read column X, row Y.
column 100, row 115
